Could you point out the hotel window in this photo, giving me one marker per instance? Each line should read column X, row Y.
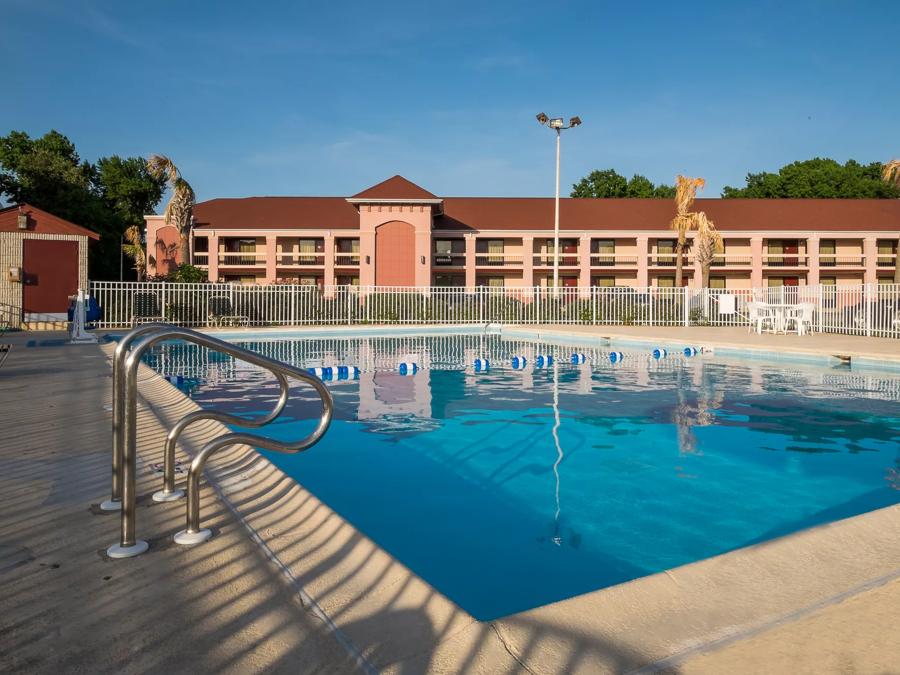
column 567, row 248
column 452, row 280
column 885, row 280
column 775, row 282
column 826, row 253
column 443, row 250
column 828, row 281
column 665, row 250
column 347, row 280
column 308, row 281
column 565, row 281
column 307, row 249
column 719, row 258
column 492, row 282
column 665, row 282
column 603, row 282
column 886, row 249
column 783, row 252
column 495, row 247
column 606, row 252
column 717, row 282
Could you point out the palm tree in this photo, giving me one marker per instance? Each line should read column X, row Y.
column 684, row 220
column 134, row 249
column 891, row 174
column 707, row 243
column 181, row 203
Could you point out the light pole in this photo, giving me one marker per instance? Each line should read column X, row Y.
column 558, row 125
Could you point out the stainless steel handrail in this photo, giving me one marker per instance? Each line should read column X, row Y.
column 130, row 546
column 169, row 493
column 114, row 503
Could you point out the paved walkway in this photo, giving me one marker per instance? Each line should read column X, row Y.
column 64, row 607
column 224, row 607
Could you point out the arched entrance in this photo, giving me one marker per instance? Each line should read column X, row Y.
column 395, row 254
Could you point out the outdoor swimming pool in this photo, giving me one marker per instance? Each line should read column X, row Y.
column 510, row 489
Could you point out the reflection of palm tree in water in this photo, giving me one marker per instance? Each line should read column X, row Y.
column 687, row 415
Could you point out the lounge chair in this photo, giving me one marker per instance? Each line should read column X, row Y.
column 145, row 308
column 221, row 313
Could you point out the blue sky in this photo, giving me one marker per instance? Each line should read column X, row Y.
column 328, row 98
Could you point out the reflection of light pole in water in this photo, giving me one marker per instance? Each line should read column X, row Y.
column 559, row 453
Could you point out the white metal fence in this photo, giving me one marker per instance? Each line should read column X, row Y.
column 865, row 309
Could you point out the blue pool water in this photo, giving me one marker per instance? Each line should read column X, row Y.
column 511, row 489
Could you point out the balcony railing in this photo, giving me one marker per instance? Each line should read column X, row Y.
column 729, row 260
column 565, row 260
column 201, row 259
column 886, row 260
column 499, row 259
column 784, row 260
column 668, row 259
column 831, row 260
column 346, row 259
column 241, row 258
column 612, row 260
column 449, row 259
column 300, row 259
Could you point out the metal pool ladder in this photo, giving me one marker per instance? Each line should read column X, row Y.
column 126, row 359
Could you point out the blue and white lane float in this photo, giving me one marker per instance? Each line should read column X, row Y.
column 347, row 372
column 481, row 365
column 543, row 361
column 659, row 353
column 407, row 368
column 578, row 358
column 616, row 357
column 690, row 351
column 323, row 373
column 519, row 362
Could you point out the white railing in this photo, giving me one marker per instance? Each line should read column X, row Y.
column 613, row 259
column 499, row 259
column 831, row 260
column 240, row 258
column 456, row 259
column 864, row 309
column 346, row 259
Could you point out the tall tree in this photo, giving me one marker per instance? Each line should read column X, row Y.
column 106, row 197
column 818, row 178
column 684, row 220
column 609, row 184
column 707, row 244
column 891, row 175
column 181, row 202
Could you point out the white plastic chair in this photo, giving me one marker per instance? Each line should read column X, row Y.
column 800, row 318
column 760, row 315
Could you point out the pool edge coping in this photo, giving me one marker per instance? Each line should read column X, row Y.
column 645, row 605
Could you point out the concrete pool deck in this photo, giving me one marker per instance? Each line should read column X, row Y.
column 822, row 600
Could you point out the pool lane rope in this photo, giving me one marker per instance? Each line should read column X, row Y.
column 407, row 368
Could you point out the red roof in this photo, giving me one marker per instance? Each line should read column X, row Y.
column 536, row 213
column 40, row 222
column 276, row 213
column 396, row 187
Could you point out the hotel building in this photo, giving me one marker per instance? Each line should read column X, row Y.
column 399, row 234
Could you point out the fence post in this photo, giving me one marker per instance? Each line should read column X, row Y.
column 687, row 308
column 868, row 301
column 480, row 304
